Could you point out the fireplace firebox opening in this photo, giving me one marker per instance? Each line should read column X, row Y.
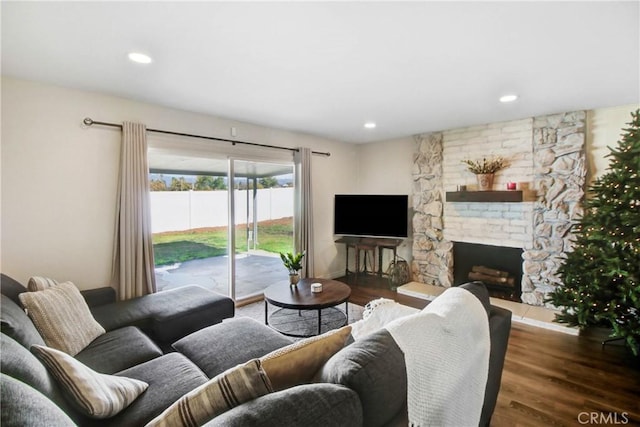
column 498, row 267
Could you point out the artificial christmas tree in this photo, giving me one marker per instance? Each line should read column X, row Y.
column 601, row 276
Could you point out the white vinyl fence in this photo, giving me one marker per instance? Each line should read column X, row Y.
column 184, row 210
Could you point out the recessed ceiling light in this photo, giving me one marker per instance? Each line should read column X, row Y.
column 508, row 98
column 370, row 125
column 140, row 58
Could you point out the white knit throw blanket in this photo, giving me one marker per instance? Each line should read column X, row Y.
column 377, row 314
column 446, row 349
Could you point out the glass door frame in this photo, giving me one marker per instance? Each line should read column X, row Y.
column 231, row 230
column 231, row 227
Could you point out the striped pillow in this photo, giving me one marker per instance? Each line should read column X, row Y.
column 96, row 395
column 62, row 317
column 225, row 391
column 299, row 362
column 39, row 283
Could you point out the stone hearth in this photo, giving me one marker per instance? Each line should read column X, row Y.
column 542, row 317
column 546, row 158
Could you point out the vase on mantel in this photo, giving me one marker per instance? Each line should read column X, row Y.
column 485, row 181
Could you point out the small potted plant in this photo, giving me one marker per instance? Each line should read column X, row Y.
column 485, row 170
column 293, row 263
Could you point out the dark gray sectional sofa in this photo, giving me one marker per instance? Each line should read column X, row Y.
column 363, row 384
column 137, row 345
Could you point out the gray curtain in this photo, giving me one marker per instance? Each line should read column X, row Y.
column 133, row 272
column 303, row 209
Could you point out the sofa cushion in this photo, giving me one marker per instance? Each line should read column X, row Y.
column 298, row 363
column 119, row 349
column 39, row 283
column 231, row 388
column 16, row 324
column 499, row 328
column 23, row 405
column 197, row 308
column 11, row 288
column 168, row 315
column 217, row 348
column 99, row 296
column 94, row 394
column 136, row 312
column 169, row 378
column 374, row 367
column 311, row 405
column 62, row 317
column 18, row 362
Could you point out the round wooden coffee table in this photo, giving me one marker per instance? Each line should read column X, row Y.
column 300, row 298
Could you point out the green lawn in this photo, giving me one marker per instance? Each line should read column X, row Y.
column 179, row 246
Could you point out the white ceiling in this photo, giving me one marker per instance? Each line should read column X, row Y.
column 325, row 68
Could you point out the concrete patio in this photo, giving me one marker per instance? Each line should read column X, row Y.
column 255, row 271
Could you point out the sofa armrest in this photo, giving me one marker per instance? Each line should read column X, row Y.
column 499, row 330
column 99, row 296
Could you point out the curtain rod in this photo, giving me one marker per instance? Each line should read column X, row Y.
column 88, row 121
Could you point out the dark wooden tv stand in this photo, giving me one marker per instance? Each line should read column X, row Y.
column 377, row 244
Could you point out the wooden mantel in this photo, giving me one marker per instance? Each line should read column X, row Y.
column 485, row 196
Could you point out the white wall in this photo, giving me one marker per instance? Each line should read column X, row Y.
column 49, row 157
column 385, row 168
column 604, row 127
column 47, row 161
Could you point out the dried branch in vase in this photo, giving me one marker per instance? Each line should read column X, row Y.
column 485, row 166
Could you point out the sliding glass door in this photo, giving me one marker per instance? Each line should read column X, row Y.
column 220, row 223
column 262, row 217
column 190, row 222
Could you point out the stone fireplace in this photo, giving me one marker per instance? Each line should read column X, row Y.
column 546, row 159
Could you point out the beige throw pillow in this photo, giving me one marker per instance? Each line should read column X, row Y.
column 225, row 391
column 298, row 363
column 62, row 317
column 96, row 395
column 39, row 283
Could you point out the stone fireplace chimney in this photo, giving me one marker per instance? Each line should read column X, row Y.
column 546, row 159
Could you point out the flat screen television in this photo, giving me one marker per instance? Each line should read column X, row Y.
column 371, row 215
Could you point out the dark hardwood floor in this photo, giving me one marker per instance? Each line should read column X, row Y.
column 549, row 378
